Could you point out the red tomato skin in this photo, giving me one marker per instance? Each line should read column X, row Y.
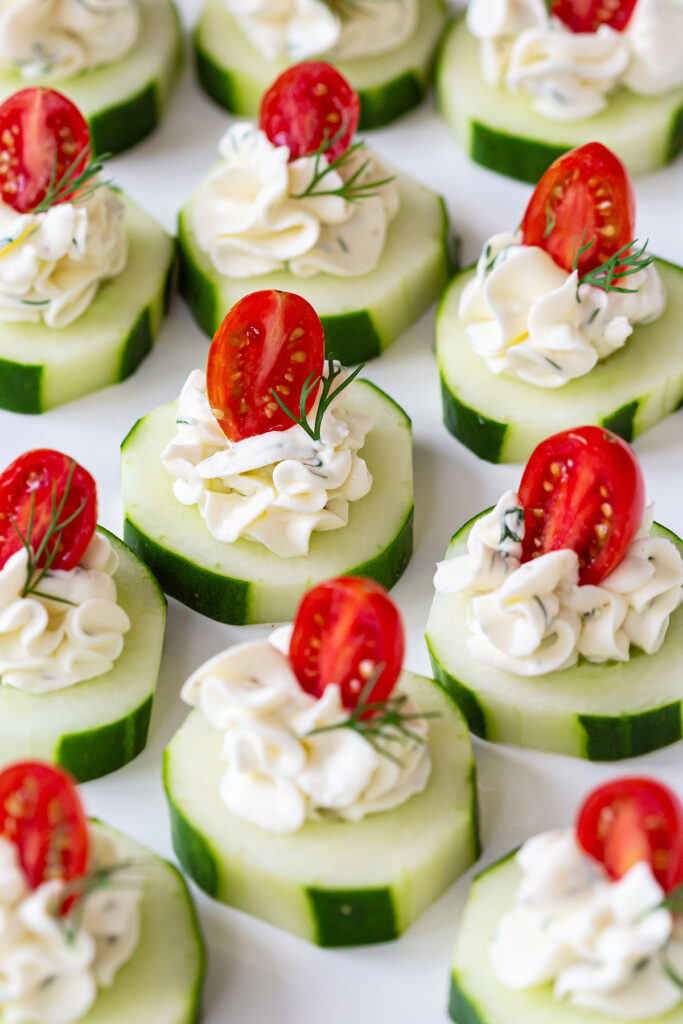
column 590, row 194
column 42, row 814
column 308, row 104
column 269, row 339
column 630, row 820
column 33, row 473
column 596, row 482
column 341, row 623
column 589, row 15
column 37, row 124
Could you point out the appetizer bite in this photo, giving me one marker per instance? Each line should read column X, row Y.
column 84, row 272
column 81, row 624
column 298, row 203
column 87, row 915
column 275, row 470
column 318, row 786
column 566, row 320
column 386, row 48
column 556, row 621
column 522, row 81
column 581, row 925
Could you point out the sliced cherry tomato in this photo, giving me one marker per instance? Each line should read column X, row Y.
column 347, row 631
column 582, row 489
column 33, row 489
column 631, row 820
column 43, row 136
column 307, row 105
column 41, row 813
column 589, row 15
column 586, row 197
column 269, row 341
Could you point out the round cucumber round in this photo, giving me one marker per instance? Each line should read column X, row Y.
column 123, row 102
column 97, row 726
column 500, row 130
column 236, row 75
column 361, row 315
column 42, row 367
column 245, row 582
column 603, row 712
column 503, row 419
column 162, row 981
column 333, row 883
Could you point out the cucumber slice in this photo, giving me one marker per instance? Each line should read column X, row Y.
column 333, row 883
column 236, row 75
column 41, row 367
column 361, row 315
column 101, row 724
column 601, row 712
column 245, row 582
column 123, row 102
column 502, row 419
column 162, row 982
column 501, row 130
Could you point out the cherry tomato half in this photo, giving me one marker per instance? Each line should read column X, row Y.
column 589, row 15
column 307, row 105
column 586, row 194
column 631, row 820
column 269, row 341
column 32, row 491
column 582, row 489
column 41, row 813
column 43, row 135
column 346, row 631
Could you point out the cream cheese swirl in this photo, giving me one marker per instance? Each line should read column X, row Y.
column 248, row 220
column 529, row 318
column 52, row 263
column 49, row 975
column 73, row 633
column 57, row 39
column 533, row 617
column 600, row 943
column 275, row 488
column 278, row 775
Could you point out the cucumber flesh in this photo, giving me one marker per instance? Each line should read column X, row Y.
column 236, row 75
column 603, row 712
column 245, row 582
column 501, row 130
column 96, row 726
column 333, row 883
column 503, row 419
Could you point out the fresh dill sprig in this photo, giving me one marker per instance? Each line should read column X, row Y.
column 353, row 190
column 74, row 184
column 583, row 247
column 71, row 906
column 327, row 396
column 625, row 261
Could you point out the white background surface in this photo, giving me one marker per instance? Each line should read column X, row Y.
column 256, row 973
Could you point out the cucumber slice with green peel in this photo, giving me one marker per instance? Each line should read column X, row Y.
column 603, row 712
column 123, row 102
column 236, row 75
column 361, row 315
column 97, row 726
column 500, row 130
column 162, row 981
column 42, row 367
column 245, row 582
column 332, row 882
column 503, row 419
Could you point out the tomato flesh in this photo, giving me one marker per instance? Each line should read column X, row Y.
column 582, row 489
column 589, row 15
column 632, row 820
column 41, row 813
column 269, row 341
column 348, row 631
column 307, row 105
column 42, row 136
column 28, row 488
column 585, row 195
